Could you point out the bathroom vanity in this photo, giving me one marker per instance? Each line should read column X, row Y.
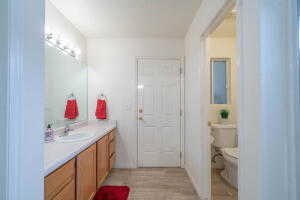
column 79, row 160
column 74, row 170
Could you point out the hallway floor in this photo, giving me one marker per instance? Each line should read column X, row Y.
column 154, row 183
column 221, row 190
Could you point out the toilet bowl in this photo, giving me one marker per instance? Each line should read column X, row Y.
column 230, row 173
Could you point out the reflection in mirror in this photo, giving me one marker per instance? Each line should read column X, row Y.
column 64, row 75
column 220, row 79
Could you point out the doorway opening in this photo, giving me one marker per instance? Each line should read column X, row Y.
column 221, row 52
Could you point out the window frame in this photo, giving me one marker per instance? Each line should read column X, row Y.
column 228, row 79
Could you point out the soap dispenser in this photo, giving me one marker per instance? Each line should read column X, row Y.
column 49, row 134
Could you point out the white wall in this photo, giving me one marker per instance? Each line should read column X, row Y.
column 273, row 74
column 112, row 70
column 224, row 48
column 55, row 20
column 268, row 94
column 3, row 97
column 197, row 98
column 58, row 23
column 21, row 104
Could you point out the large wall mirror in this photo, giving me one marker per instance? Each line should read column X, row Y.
column 64, row 75
column 220, row 80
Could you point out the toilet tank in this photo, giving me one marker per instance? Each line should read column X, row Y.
column 225, row 135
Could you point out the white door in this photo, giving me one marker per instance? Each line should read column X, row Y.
column 159, row 112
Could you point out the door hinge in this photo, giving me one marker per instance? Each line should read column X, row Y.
column 180, row 70
column 181, row 113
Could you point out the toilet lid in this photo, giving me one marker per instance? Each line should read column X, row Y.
column 233, row 152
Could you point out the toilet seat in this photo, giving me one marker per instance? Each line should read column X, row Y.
column 231, row 152
column 231, row 160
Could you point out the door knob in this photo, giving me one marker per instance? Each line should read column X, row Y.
column 141, row 118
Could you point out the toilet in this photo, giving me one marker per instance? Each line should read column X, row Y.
column 231, row 159
column 225, row 145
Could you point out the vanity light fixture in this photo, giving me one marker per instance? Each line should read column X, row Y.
column 54, row 39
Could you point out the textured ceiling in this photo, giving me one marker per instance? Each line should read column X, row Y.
column 129, row 18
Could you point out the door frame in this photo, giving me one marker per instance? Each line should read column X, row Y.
column 23, row 54
column 182, row 103
column 227, row 7
column 258, row 185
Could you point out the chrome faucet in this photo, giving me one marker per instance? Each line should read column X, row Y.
column 67, row 129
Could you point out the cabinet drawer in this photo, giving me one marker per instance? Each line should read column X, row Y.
column 112, row 147
column 56, row 181
column 68, row 193
column 112, row 135
column 112, row 161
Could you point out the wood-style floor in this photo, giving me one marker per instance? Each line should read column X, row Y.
column 221, row 190
column 154, row 183
column 167, row 184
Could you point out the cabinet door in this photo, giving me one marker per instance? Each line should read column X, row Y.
column 56, row 181
column 102, row 160
column 112, row 161
column 68, row 193
column 112, row 135
column 112, row 147
column 86, row 174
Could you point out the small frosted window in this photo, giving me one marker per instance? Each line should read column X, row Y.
column 219, row 81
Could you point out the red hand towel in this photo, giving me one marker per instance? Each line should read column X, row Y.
column 101, row 109
column 71, row 111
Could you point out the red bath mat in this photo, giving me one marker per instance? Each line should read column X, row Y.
column 112, row 193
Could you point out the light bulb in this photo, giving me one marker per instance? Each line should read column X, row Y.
column 63, row 43
column 47, row 30
column 77, row 51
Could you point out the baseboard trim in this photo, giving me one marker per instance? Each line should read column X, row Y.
column 196, row 186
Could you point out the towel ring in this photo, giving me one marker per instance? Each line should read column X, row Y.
column 102, row 96
column 71, row 96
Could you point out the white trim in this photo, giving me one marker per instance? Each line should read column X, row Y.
column 240, row 92
column 15, row 108
column 206, row 144
column 294, row 93
column 4, row 35
column 182, row 108
column 182, row 105
column 25, row 70
column 217, row 20
column 277, row 150
column 136, row 110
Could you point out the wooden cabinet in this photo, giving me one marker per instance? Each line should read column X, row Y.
column 112, row 148
column 79, row 178
column 102, row 160
column 86, row 174
column 62, row 179
column 112, row 135
column 106, row 156
column 68, row 193
column 112, row 161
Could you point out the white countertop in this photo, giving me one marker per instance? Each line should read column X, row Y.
column 56, row 153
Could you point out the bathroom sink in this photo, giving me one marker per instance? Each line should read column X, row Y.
column 75, row 137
